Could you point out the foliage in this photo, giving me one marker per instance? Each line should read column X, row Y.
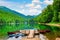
column 50, row 14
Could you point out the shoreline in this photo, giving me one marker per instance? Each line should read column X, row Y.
column 50, row 24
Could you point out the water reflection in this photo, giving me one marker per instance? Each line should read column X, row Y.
column 26, row 25
column 17, row 25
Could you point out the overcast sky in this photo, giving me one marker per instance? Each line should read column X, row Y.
column 26, row 7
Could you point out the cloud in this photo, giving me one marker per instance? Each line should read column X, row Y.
column 49, row 2
column 33, row 8
column 35, row 11
column 36, row 1
column 8, row 4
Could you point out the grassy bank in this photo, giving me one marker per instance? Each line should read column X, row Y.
column 51, row 24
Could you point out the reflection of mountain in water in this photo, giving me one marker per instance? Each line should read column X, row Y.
column 12, row 18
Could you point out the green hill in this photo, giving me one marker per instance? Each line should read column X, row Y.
column 50, row 14
column 11, row 18
column 9, row 15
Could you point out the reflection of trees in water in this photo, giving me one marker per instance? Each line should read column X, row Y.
column 45, row 27
column 54, row 30
column 2, row 23
column 17, row 22
column 32, row 23
column 10, row 23
column 51, row 27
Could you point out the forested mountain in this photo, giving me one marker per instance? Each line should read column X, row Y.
column 50, row 14
column 8, row 15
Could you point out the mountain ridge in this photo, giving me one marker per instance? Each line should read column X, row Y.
column 15, row 12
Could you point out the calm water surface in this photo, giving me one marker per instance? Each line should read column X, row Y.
column 10, row 27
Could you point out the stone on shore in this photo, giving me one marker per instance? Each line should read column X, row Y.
column 57, row 38
column 25, row 38
column 23, row 31
column 28, row 31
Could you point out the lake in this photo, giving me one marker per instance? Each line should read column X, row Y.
column 10, row 27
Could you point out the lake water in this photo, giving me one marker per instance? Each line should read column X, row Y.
column 10, row 27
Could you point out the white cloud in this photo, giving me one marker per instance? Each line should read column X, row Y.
column 36, row 1
column 48, row 2
column 33, row 8
column 30, row 5
column 26, row 9
column 8, row 4
column 38, row 6
column 35, row 11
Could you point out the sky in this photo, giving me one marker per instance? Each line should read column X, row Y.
column 26, row 7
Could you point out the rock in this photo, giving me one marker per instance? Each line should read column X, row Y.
column 31, row 34
column 25, row 38
column 36, row 35
column 57, row 38
column 11, row 35
column 23, row 31
column 43, row 37
column 28, row 31
column 36, row 31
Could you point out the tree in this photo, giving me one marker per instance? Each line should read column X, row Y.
column 55, row 18
column 2, row 23
column 17, row 22
column 56, row 5
column 59, row 16
column 50, row 13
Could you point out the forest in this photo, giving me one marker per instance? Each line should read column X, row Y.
column 51, row 14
